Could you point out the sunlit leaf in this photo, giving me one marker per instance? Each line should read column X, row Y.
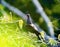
column 20, row 24
column 52, row 41
column 59, row 37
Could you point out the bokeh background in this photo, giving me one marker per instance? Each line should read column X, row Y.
column 12, row 36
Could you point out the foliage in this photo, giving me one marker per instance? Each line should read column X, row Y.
column 43, row 45
column 13, row 34
column 10, row 33
column 59, row 37
column 52, row 41
column 51, row 8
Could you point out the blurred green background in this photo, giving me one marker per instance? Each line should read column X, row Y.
column 16, row 37
column 51, row 8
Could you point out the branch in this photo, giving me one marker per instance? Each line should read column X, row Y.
column 21, row 14
column 43, row 14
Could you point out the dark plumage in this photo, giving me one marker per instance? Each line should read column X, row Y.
column 32, row 26
column 29, row 19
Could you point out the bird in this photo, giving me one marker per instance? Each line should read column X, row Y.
column 32, row 26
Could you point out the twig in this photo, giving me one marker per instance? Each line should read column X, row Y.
column 45, row 17
column 21, row 14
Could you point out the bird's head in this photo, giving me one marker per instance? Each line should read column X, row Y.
column 29, row 21
column 28, row 15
